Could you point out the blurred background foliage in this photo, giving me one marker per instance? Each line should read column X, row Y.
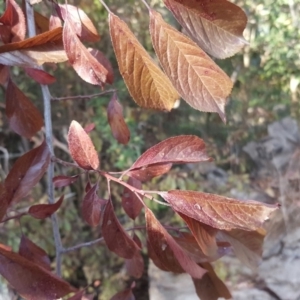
column 266, row 75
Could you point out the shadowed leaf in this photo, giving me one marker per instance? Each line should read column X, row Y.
column 210, row 286
column 116, row 121
column 116, row 238
column 197, row 78
column 179, row 149
column 61, row 181
column 78, row 296
column 4, row 75
column 218, row 211
column 81, row 147
column 247, row 245
column 40, row 76
column 92, row 206
column 14, row 18
column 24, row 118
column 105, row 63
column 162, row 245
column 135, row 265
column 41, row 22
column 216, row 26
column 54, row 21
column 29, row 279
column 130, row 201
column 204, row 235
column 188, row 242
column 147, row 84
column 34, row 253
column 124, row 295
column 43, row 211
column 83, row 62
column 146, row 173
column 81, row 23
column 26, row 173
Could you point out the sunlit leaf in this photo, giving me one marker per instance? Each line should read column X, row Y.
column 83, row 26
column 23, row 117
column 146, row 173
column 83, row 62
column 197, row 78
column 81, row 147
column 43, row 48
column 34, row 253
column 29, row 279
column 135, row 265
column 204, row 235
column 27, row 172
column 130, row 201
column 159, row 240
column 43, row 211
column 116, row 238
column 216, row 26
column 14, row 18
column 61, row 181
column 247, row 245
column 54, row 21
column 210, row 286
column 40, row 76
column 116, row 121
column 218, row 211
column 179, row 149
column 92, row 206
column 147, row 84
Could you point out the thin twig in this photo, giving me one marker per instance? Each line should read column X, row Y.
column 48, row 134
column 18, row 216
column 64, row 163
column 87, row 244
column 147, row 5
column 79, row 97
column 105, row 6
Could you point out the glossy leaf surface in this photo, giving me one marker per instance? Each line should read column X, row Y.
column 40, row 76
column 61, row 181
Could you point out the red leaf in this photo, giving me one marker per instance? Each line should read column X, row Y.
column 81, row 23
column 105, row 63
column 216, row 26
column 146, row 173
column 4, row 75
column 188, row 242
column 24, row 118
column 116, row 121
column 210, row 286
column 3, row 201
column 124, row 295
column 5, row 34
column 178, row 149
column 78, row 296
column 26, row 173
column 34, row 253
column 14, row 18
column 135, row 265
column 54, row 22
column 61, row 181
column 162, row 242
column 40, row 76
column 219, row 211
column 81, row 147
column 247, row 245
column 30, row 280
column 83, row 62
column 204, row 235
column 92, row 206
column 130, row 201
column 88, row 128
column 43, row 211
column 116, row 238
